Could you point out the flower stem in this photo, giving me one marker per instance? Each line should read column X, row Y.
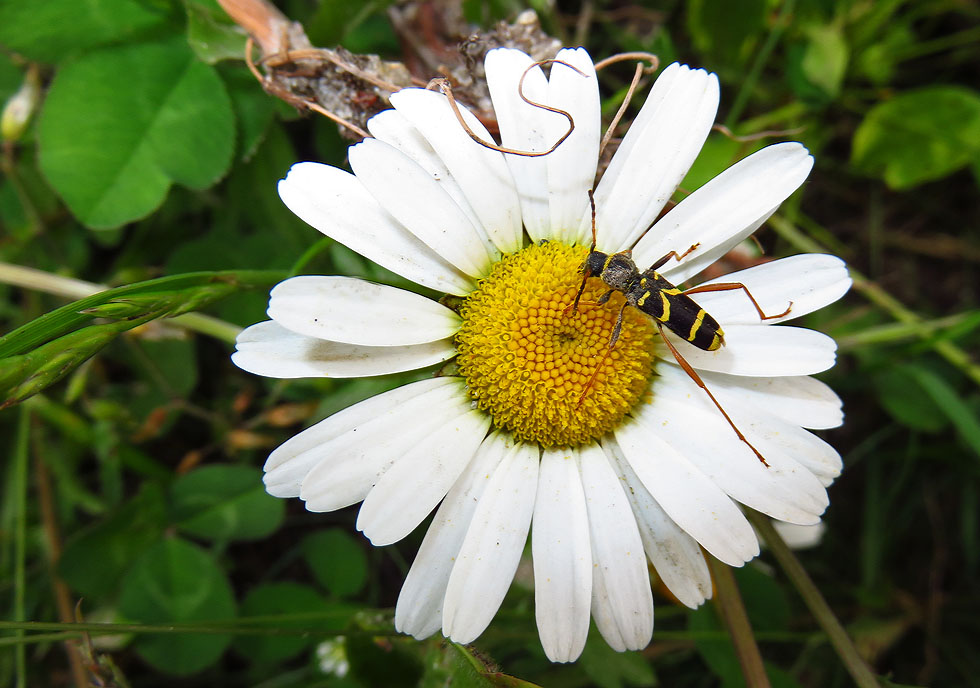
column 850, row 657
column 736, row 620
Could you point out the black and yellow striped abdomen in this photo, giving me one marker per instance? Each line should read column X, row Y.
column 664, row 302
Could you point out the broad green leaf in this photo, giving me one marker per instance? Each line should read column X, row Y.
column 825, row 59
column 47, row 31
column 393, row 663
column 725, row 30
column 211, row 33
column 919, row 135
column 225, row 503
column 610, row 669
column 338, row 562
column 286, row 599
column 94, row 562
column 176, row 581
column 120, row 125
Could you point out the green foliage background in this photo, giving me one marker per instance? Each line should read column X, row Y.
column 153, row 153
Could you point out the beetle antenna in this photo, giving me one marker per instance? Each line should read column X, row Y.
column 592, row 203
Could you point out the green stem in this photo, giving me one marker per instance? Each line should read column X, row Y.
column 881, row 298
column 733, row 614
column 748, row 83
column 896, row 332
column 856, row 666
column 20, row 541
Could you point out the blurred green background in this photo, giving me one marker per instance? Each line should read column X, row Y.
column 133, row 486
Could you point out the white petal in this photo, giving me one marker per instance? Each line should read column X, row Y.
column 655, row 154
column 785, row 490
column 769, row 433
column 572, row 166
column 417, row 201
column 762, row 351
column 622, row 604
column 492, row 549
column 355, row 311
column 289, row 464
column 523, row 127
column 800, row 400
column 808, row 282
column 800, row 537
column 269, row 349
column 337, row 204
column 562, row 557
column 412, row 487
column 689, row 497
column 419, row 608
column 675, row 554
column 482, row 173
column 392, row 128
column 725, row 210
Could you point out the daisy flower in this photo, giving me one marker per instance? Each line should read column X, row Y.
column 606, row 457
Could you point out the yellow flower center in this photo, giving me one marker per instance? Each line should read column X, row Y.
column 542, row 371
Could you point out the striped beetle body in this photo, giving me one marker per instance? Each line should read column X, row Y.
column 669, row 306
column 652, row 294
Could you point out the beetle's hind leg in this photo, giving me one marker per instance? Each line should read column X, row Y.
column 732, row 286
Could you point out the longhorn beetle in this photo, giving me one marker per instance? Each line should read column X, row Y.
column 668, row 305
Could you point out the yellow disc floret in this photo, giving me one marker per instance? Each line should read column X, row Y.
column 541, row 370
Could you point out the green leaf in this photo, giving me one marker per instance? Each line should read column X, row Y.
column 48, row 31
column 919, row 135
column 725, row 30
column 176, row 581
column 610, row 669
column 825, row 59
column 38, row 354
column 281, row 598
column 900, row 393
column 211, row 33
column 225, row 503
column 94, row 562
column 338, row 562
column 120, row 125
column 948, row 400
